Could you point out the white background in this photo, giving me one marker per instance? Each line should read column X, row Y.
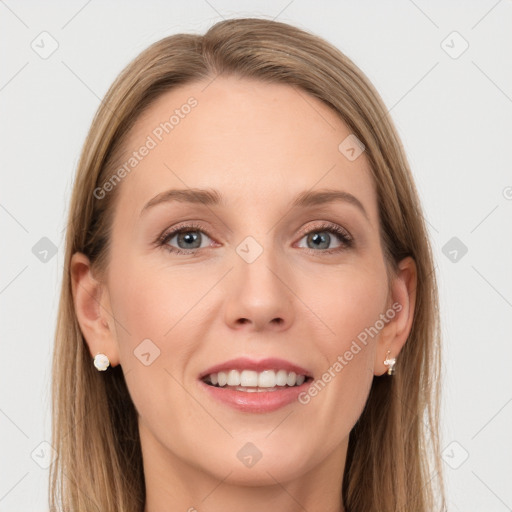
column 454, row 117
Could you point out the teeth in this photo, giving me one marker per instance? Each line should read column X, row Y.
column 234, row 378
column 246, row 379
column 292, row 378
column 267, row 379
column 222, row 378
column 281, row 377
column 249, row 378
column 255, row 390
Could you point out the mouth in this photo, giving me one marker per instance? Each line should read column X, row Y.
column 250, row 381
column 255, row 386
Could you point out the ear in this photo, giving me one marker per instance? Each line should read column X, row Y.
column 93, row 311
column 401, row 302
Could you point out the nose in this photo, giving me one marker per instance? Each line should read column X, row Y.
column 259, row 296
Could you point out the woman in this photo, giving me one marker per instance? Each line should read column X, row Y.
column 249, row 306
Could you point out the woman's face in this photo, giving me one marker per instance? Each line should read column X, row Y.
column 258, row 273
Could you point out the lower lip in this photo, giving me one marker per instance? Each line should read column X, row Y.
column 258, row 401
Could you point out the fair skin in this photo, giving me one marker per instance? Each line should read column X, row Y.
column 259, row 145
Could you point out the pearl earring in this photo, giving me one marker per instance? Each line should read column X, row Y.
column 101, row 362
column 390, row 363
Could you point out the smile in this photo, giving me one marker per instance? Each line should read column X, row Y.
column 250, row 380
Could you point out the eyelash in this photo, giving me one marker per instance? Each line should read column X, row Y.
column 345, row 239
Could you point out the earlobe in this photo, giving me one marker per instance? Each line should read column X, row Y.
column 402, row 302
column 92, row 309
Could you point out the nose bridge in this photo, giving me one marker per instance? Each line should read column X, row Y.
column 257, row 291
column 258, row 265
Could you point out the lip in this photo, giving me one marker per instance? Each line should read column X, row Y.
column 245, row 363
column 258, row 401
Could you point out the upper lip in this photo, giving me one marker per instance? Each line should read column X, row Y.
column 244, row 363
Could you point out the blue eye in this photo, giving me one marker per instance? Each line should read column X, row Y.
column 190, row 238
column 321, row 238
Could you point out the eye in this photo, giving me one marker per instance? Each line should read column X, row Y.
column 187, row 238
column 321, row 238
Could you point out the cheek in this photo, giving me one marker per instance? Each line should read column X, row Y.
column 352, row 302
column 352, row 305
column 161, row 308
column 149, row 303
column 152, row 304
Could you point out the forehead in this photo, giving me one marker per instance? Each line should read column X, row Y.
column 258, row 143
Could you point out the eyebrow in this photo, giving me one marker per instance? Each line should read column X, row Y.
column 212, row 197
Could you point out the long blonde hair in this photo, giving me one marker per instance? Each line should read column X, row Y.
column 393, row 457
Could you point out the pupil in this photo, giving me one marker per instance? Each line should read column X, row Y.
column 189, row 237
column 320, row 240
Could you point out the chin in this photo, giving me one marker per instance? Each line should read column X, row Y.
column 252, row 466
